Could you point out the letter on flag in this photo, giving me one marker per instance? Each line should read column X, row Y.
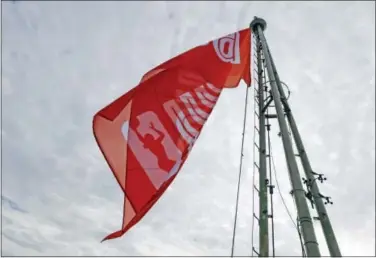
column 146, row 134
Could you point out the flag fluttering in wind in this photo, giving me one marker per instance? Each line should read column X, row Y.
column 146, row 134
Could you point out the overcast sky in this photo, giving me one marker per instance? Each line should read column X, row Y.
column 63, row 61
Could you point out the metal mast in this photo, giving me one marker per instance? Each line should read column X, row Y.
column 305, row 220
column 263, row 181
column 310, row 174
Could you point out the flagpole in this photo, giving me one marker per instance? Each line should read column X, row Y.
column 305, row 220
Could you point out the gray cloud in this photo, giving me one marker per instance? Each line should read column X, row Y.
column 63, row 61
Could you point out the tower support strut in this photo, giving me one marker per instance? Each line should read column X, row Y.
column 328, row 231
column 258, row 25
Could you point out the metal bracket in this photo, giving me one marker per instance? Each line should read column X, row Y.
column 271, row 116
column 280, row 134
column 271, row 187
column 254, row 250
column 319, row 177
column 267, row 105
column 258, row 220
column 309, row 195
column 327, row 199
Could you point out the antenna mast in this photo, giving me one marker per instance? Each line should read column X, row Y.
column 282, row 108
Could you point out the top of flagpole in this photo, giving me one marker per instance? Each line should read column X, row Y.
column 257, row 21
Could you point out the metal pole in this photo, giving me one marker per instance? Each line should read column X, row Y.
column 271, row 186
column 321, row 210
column 263, row 184
column 305, row 219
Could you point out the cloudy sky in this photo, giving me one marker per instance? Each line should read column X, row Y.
column 63, row 61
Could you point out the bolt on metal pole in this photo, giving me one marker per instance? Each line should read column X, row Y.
column 309, row 236
column 263, row 190
column 321, row 210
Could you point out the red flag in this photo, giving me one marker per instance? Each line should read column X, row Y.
column 147, row 134
column 234, row 52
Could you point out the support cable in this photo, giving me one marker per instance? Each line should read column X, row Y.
column 284, row 204
column 240, row 171
column 297, row 217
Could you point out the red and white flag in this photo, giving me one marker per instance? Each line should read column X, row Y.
column 146, row 134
